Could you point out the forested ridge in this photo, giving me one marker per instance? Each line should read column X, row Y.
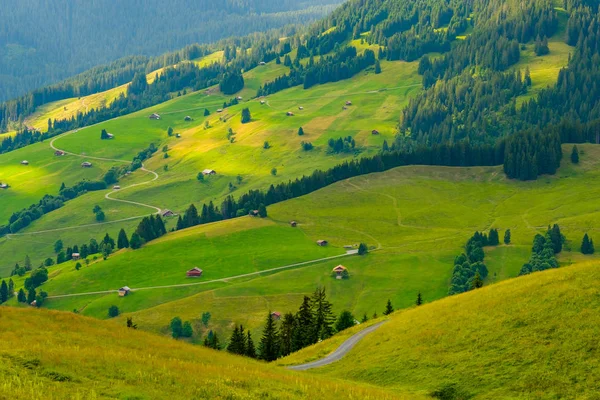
column 43, row 42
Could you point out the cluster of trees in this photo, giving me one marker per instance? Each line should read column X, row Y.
column 181, row 329
column 341, row 145
column 587, row 245
column 6, row 290
column 148, row 229
column 543, row 251
column 532, row 153
column 469, row 269
column 232, row 82
column 190, row 218
column 21, row 139
column 343, row 64
column 97, row 210
column 104, row 247
column 142, row 156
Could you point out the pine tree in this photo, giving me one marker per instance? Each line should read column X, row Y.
column 362, row 249
column 575, row 155
column 212, row 341
column 11, row 288
column 377, row 67
column 27, row 263
column 323, row 317
column 364, row 318
column 556, row 237
column 187, row 330
column 176, row 327
column 3, row 291
column 268, row 347
column 190, row 217
column 586, row 245
column 388, row 308
column 21, row 296
column 300, row 131
column 31, row 295
column 507, row 236
column 286, row 333
column 136, row 241
column 122, row 241
column 477, row 281
column 493, row 239
column 237, row 342
column 180, row 223
column 250, row 350
column 303, row 325
column 591, row 247
column 344, row 321
column 246, row 117
column 419, row 299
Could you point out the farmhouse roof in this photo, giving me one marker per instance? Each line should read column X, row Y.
column 125, row 289
column 339, row 268
column 209, row 171
column 25, row 162
column 195, row 269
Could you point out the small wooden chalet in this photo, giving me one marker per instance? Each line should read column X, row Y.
column 293, row 224
column 33, row 303
column 178, row 135
column 86, row 164
column 262, row 102
column 339, row 271
column 124, row 291
column 154, row 116
column 3, row 185
column 209, row 172
column 300, row 108
column 253, row 213
column 194, row 273
column 116, row 187
column 187, row 118
column 75, row 256
column 289, row 114
column 167, row 213
column 262, row 63
column 322, row 242
column 276, row 315
column 24, row 162
column 220, row 110
column 59, row 153
column 374, row 132
column 348, row 103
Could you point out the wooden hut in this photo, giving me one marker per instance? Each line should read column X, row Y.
column 86, row 164
column 154, row 116
column 194, row 273
column 124, row 291
column 187, row 118
column 276, row 315
column 209, row 172
column 339, row 271
column 167, row 213
column 75, row 256
column 374, row 132
column 59, row 153
column 293, row 224
column 322, row 242
column 24, row 162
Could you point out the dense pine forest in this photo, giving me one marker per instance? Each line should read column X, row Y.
column 43, row 42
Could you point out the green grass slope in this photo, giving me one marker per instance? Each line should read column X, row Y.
column 80, row 358
column 529, row 337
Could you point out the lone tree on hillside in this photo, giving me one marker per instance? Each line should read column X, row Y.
column 362, row 249
column 113, row 311
column 300, row 131
column 507, row 236
column 419, row 299
column 104, row 134
column 170, row 131
column 388, row 308
column 176, row 327
column 205, row 318
column 575, row 155
column 246, row 117
column 587, row 245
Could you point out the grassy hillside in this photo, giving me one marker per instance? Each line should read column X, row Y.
column 82, row 358
column 529, row 337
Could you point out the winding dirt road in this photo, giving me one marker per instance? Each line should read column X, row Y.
column 340, row 352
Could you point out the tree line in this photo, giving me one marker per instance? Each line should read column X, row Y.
column 544, row 250
column 469, row 268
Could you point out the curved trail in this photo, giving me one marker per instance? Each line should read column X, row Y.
column 106, row 196
column 227, row 279
column 340, row 352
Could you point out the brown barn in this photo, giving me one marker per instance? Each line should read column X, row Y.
column 75, row 256
column 276, row 315
column 348, row 103
column 59, row 153
column 86, row 164
column 293, row 224
column 194, row 273
column 338, row 271
column 374, row 132
column 289, row 114
column 322, row 242
column 167, row 213
column 209, row 172
column 154, row 116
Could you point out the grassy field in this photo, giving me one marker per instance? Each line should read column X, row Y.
column 529, row 337
column 81, row 358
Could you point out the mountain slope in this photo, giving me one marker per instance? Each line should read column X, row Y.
column 530, row 337
column 78, row 357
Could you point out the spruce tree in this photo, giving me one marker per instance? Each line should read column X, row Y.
column 344, row 321
column 303, row 326
column 262, row 211
column 21, row 296
column 11, row 288
column 507, row 236
column 268, row 347
column 31, row 295
column 477, row 281
column 388, row 308
column 591, row 247
column 250, row 350
column 300, row 131
column 364, row 318
column 122, row 241
column 176, row 327
column 556, row 237
column 237, row 342
column 419, row 299
column 27, row 263
column 3, row 291
column 286, row 333
column 575, row 155
column 246, row 117
column 323, row 317
column 136, row 241
column 187, row 330
column 180, row 223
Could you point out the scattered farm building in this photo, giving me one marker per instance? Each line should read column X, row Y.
column 293, row 224
column 86, row 164
column 167, row 213
column 348, row 103
column 178, row 135
column 219, row 110
column 154, row 116
column 110, row 136
column 124, row 291
column 187, row 118
column 300, row 108
column 339, row 271
column 33, row 303
column 24, row 162
column 262, row 63
column 276, row 315
column 59, row 153
column 194, row 273
column 253, row 213
column 116, row 187
column 239, row 97
column 3, row 185
column 262, row 102
column 209, row 172
column 374, row 132
column 289, row 114
column 344, row 108
column 75, row 256
column 322, row 242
